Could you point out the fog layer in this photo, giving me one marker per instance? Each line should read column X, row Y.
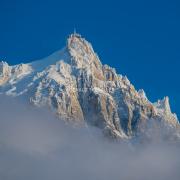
column 36, row 146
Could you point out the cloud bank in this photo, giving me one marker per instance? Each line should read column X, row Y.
column 36, row 146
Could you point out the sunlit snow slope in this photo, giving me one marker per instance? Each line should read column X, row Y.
column 79, row 89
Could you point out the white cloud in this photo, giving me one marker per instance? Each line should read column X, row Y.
column 34, row 145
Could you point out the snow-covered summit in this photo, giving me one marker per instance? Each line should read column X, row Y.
column 80, row 89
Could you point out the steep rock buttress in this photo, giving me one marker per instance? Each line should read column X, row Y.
column 79, row 89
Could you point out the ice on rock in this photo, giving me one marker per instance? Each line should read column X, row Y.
column 142, row 94
column 79, row 89
column 164, row 105
column 5, row 72
column 4, row 68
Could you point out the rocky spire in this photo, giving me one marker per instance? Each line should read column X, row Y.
column 166, row 105
column 4, row 68
column 75, row 84
column 163, row 105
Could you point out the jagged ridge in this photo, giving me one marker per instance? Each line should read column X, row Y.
column 79, row 89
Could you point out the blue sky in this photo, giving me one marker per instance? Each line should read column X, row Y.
column 141, row 39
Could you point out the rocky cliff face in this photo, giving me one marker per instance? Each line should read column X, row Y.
column 79, row 89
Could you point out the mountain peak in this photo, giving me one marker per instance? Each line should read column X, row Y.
column 77, row 43
column 164, row 105
column 75, row 85
column 81, row 52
